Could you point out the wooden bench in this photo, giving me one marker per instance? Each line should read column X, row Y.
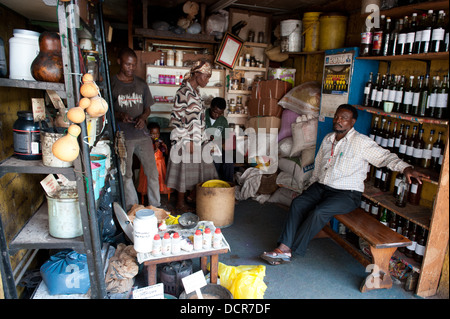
column 382, row 240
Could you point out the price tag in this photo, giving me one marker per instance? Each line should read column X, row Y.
column 194, row 282
column 50, row 185
column 150, row 292
column 38, row 106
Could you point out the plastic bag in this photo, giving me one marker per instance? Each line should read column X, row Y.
column 66, row 272
column 244, row 282
column 303, row 99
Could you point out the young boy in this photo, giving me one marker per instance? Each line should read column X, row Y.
column 161, row 151
column 214, row 119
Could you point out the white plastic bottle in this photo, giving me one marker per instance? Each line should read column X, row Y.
column 207, row 237
column 166, row 244
column 217, row 240
column 156, row 249
column 198, row 240
column 176, row 244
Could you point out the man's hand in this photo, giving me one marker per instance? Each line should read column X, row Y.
column 124, row 117
column 140, row 123
column 410, row 172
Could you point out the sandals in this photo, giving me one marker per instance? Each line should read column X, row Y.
column 276, row 257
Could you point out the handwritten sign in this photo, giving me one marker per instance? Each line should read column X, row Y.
column 150, row 292
column 50, row 185
column 194, row 282
column 38, row 106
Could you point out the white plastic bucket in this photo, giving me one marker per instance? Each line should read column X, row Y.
column 291, row 35
column 64, row 219
column 23, row 49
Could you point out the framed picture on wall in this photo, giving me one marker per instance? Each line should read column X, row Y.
column 229, row 50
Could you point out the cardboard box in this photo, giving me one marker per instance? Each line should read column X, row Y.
column 264, row 107
column 264, row 122
column 273, row 89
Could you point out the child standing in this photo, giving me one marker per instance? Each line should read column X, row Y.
column 161, row 151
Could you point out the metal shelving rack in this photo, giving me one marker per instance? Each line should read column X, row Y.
column 34, row 234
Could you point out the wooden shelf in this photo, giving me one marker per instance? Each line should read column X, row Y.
column 36, row 85
column 421, row 56
column 244, row 92
column 250, row 68
column 401, row 116
column 419, row 215
column 15, row 165
column 423, row 7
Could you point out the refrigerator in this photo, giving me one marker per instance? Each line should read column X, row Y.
column 344, row 78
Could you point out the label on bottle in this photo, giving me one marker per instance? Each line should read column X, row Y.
column 441, row 100
column 412, row 246
column 436, row 152
column 401, row 38
column 386, row 93
column 438, row 34
column 426, row 35
column 433, row 100
column 409, row 150
column 366, row 37
column 408, row 98
column 384, row 142
column 379, row 96
column 414, row 188
column 441, row 158
column 391, row 142
column 397, row 181
column 378, row 173
column 397, row 142
column 392, row 94
column 367, row 90
column 378, row 139
column 372, row 136
column 415, row 101
column 410, row 37
column 398, row 96
column 377, row 40
column 402, row 149
column 375, row 210
column 426, row 154
column 420, row 250
column 418, row 152
column 374, row 94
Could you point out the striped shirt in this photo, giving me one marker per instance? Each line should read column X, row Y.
column 343, row 164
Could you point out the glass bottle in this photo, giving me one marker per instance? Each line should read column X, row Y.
column 438, row 34
column 401, row 41
column 397, row 139
column 420, row 246
column 385, row 135
column 399, row 94
column 442, row 100
column 400, row 223
column 389, row 94
column 383, row 217
column 398, row 179
column 374, row 93
column 432, row 101
column 377, row 179
column 393, row 222
column 375, row 210
column 377, row 40
column 386, row 37
column 380, row 133
column 410, row 146
column 419, row 145
column 403, row 144
column 393, row 38
column 414, row 192
column 438, row 147
column 418, row 36
column 365, row 47
column 385, row 182
column 368, row 90
column 426, row 33
column 424, row 96
column 411, row 34
column 391, row 138
column 374, row 131
column 402, row 193
column 412, row 237
column 408, row 96
column 378, row 100
column 427, row 151
column 416, row 97
column 405, row 233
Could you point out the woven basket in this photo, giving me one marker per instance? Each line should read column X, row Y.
column 268, row 184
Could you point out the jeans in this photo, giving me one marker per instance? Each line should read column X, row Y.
column 312, row 210
column 144, row 151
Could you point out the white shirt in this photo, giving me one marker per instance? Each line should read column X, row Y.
column 345, row 165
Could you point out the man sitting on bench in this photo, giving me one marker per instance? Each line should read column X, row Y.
column 337, row 184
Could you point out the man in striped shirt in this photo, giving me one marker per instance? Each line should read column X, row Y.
column 337, row 183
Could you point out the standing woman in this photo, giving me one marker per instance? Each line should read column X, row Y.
column 186, row 167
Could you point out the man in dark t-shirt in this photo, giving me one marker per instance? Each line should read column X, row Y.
column 132, row 100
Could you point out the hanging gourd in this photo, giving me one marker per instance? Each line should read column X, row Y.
column 66, row 148
column 98, row 107
column 48, row 65
column 84, row 103
column 76, row 114
column 88, row 88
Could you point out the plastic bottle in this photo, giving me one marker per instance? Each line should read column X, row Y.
column 207, row 237
column 198, row 238
column 144, row 230
column 217, row 240
column 166, row 248
column 156, row 248
column 176, row 245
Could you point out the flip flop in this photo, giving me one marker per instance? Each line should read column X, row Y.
column 276, row 257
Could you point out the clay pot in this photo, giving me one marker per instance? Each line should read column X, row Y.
column 48, row 65
column 66, row 148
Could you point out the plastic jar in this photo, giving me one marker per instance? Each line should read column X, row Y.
column 166, row 247
column 198, row 240
column 23, row 49
column 217, row 240
column 176, row 243
column 207, row 237
column 27, row 137
column 145, row 228
column 156, row 246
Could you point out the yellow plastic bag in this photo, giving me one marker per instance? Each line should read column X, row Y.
column 244, row 282
column 172, row 220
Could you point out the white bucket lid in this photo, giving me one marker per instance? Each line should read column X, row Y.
column 23, row 32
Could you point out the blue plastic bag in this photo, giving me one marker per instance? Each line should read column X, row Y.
column 66, row 272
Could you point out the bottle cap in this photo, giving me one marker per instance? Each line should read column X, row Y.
column 207, row 230
column 157, row 237
column 176, row 235
column 218, row 231
column 166, row 236
column 198, row 232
